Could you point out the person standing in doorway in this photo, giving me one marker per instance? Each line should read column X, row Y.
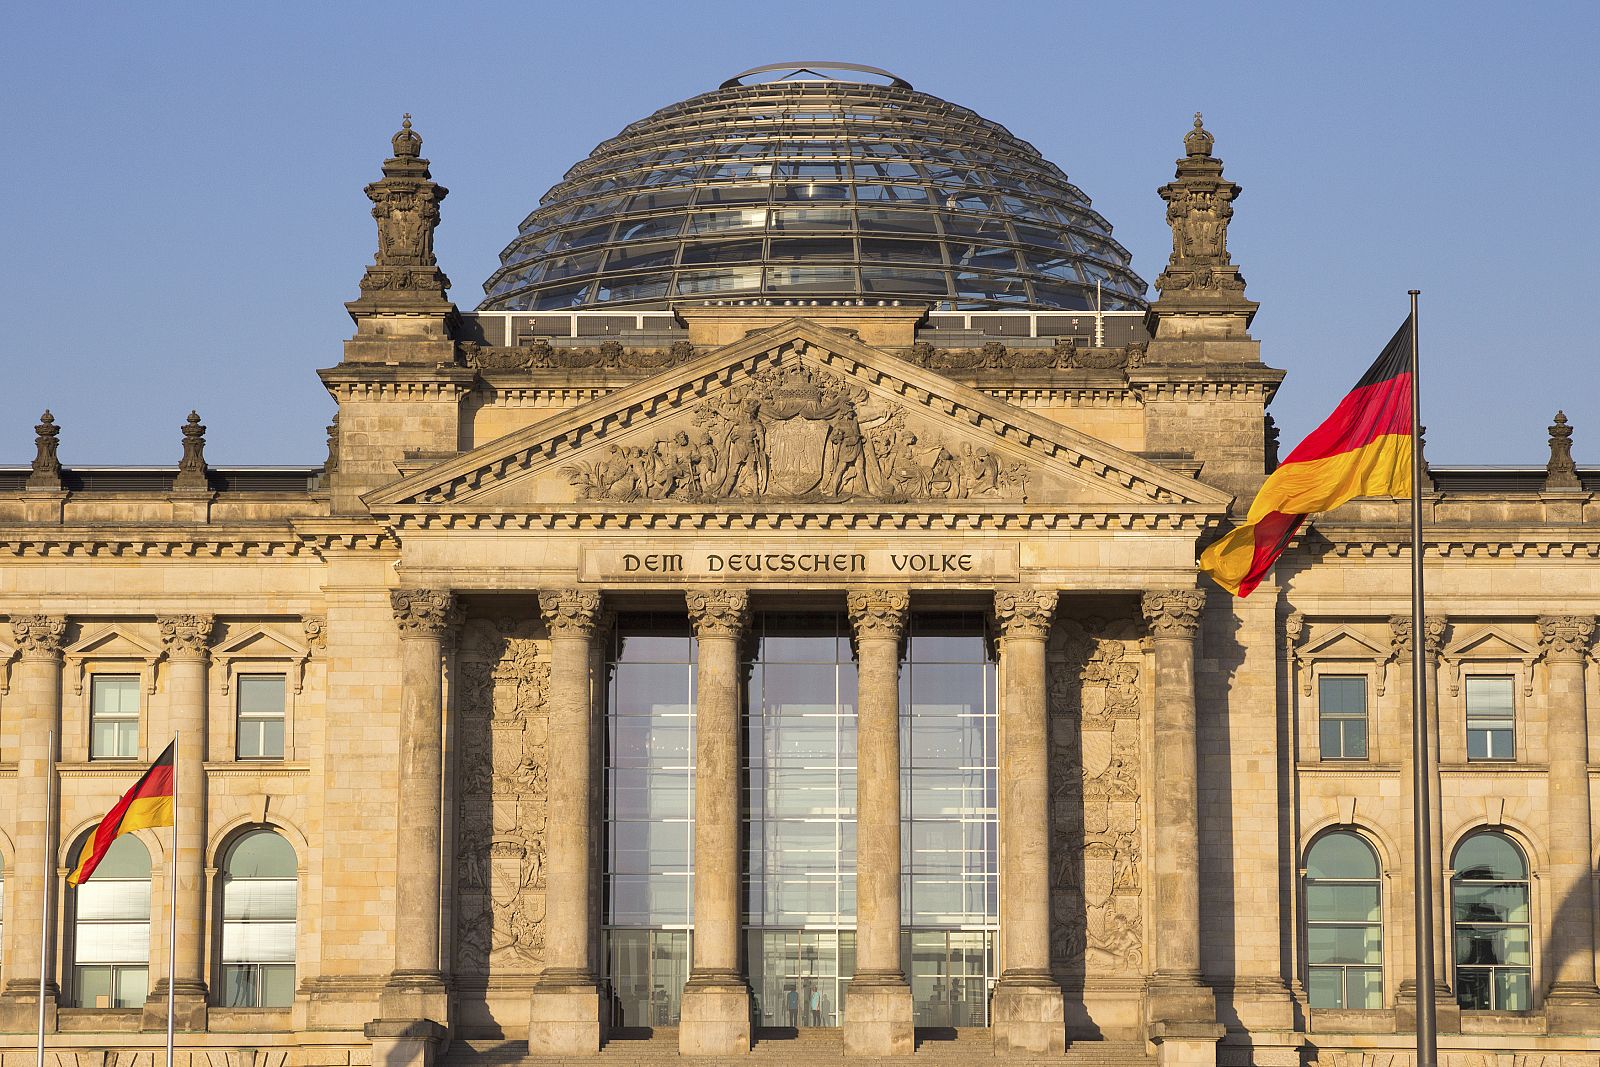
column 792, row 1002
column 816, row 1007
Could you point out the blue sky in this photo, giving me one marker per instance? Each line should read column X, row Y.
column 185, row 218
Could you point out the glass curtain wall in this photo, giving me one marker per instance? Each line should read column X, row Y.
column 800, row 818
column 649, row 816
column 949, row 813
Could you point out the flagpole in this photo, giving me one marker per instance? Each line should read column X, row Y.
column 172, row 902
column 1422, row 859
column 46, row 881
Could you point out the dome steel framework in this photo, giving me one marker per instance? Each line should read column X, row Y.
column 815, row 187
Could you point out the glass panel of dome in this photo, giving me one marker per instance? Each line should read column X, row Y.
column 659, row 200
column 948, row 175
column 968, row 202
column 901, row 193
column 570, row 266
column 880, row 249
column 717, row 281
column 556, row 299
column 796, row 168
column 589, row 235
column 981, row 257
column 595, row 208
column 812, row 248
column 635, row 287
column 646, row 229
column 988, row 227
column 810, row 279
column 810, row 191
column 721, row 252
column 910, row 282
column 1063, row 296
column 732, row 194
column 876, row 220
column 1062, row 267
column 725, row 221
column 673, row 176
column 791, row 219
column 741, row 171
column 1038, row 235
column 992, row 287
column 637, row 257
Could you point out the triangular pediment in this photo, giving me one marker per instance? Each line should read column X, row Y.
column 1346, row 644
column 796, row 415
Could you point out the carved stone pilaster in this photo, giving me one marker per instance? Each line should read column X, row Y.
column 878, row 612
column 186, row 636
column 1565, row 637
column 424, row 612
column 46, row 472
column 1400, row 643
column 1173, row 612
column 1025, row 612
column 721, row 612
column 570, row 612
column 38, row 636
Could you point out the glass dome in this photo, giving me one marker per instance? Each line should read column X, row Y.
column 830, row 182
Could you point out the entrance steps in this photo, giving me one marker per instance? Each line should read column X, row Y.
column 936, row 1048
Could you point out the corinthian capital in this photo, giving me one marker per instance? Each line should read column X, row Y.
column 186, row 636
column 570, row 612
column 38, row 635
column 723, row 611
column 1173, row 612
column 424, row 612
column 878, row 612
column 1565, row 636
column 1400, row 643
column 1025, row 612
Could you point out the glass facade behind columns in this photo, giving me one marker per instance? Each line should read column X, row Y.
column 649, row 816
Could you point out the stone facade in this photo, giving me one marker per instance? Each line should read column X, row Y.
column 439, row 596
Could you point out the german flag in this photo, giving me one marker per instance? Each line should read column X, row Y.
column 148, row 803
column 1363, row 449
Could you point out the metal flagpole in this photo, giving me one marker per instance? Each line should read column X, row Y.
column 46, row 882
column 1422, row 860
column 172, row 902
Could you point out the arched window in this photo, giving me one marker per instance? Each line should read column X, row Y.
column 258, row 922
column 111, row 928
column 1344, row 923
column 1493, row 939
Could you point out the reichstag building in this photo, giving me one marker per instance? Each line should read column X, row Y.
column 769, row 625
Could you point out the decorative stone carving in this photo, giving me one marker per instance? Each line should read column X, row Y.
column 996, row 356
column 37, row 636
column 1025, row 612
column 316, row 631
column 405, row 205
column 1200, row 271
column 192, row 467
column 540, row 354
column 791, row 433
column 1097, row 874
column 503, row 778
column 719, row 612
column 1561, row 472
column 331, row 464
column 1173, row 612
column 1400, row 636
column 46, row 471
column 1294, row 628
column 570, row 612
column 1565, row 636
column 186, row 636
column 424, row 612
column 878, row 612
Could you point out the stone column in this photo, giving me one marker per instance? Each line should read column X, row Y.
column 716, row 999
column 1180, row 1011
column 35, row 707
column 187, row 641
column 414, row 1006
column 1027, row 1012
column 879, row 1018
column 1573, row 1002
column 565, row 1015
column 1447, row 1011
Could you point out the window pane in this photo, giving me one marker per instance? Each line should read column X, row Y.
column 1489, row 857
column 277, row 986
column 1327, row 987
column 1345, row 694
column 1344, row 903
column 93, row 983
column 1489, row 695
column 1341, row 855
column 133, row 983
column 270, row 745
column 1364, row 987
column 261, row 854
column 261, row 694
column 1355, row 738
column 1511, row 990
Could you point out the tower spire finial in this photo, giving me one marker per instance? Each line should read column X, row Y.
column 1198, row 141
column 407, row 142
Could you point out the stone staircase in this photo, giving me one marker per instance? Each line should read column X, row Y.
column 944, row 1048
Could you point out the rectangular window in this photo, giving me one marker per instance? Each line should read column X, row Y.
column 114, row 716
column 1491, row 718
column 1342, row 715
column 261, row 700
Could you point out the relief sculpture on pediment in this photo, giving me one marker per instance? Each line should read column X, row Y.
column 503, row 786
column 1097, row 875
column 792, row 433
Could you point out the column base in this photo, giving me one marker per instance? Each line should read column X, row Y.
column 1027, row 1014
column 565, row 1017
column 1572, row 1010
column 189, row 1006
column 879, row 1019
column 415, row 996
column 414, row 1043
column 1180, row 1013
column 19, row 1008
column 714, row 1017
column 1186, row 1044
column 1446, row 1012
